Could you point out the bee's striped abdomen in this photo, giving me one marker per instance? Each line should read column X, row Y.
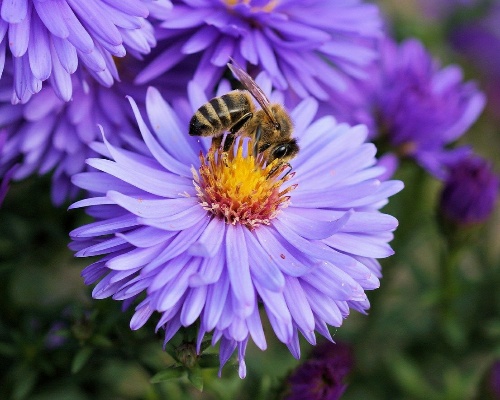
column 219, row 114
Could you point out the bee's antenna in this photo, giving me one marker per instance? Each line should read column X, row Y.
column 258, row 134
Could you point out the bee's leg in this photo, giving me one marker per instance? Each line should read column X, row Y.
column 258, row 134
column 240, row 123
column 228, row 141
column 217, row 141
column 287, row 172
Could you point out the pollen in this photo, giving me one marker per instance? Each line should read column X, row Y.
column 269, row 7
column 240, row 188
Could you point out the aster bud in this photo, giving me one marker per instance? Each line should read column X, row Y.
column 470, row 192
column 186, row 354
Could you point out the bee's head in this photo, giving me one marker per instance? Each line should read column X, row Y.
column 283, row 126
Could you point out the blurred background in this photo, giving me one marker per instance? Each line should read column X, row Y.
column 433, row 331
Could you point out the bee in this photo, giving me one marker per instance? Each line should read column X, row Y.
column 235, row 112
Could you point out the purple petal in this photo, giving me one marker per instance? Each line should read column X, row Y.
column 170, row 293
column 239, row 270
column 185, row 17
column 280, row 255
column 193, row 305
column 51, row 13
column 210, row 270
column 134, row 259
column 147, row 183
column 146, row 236
column 298, row 305
column 209, row 243
column 60, row 79
column 238, row 329
column 19, row 35
column 216, row 298
column 360, row 244
column 263, row 269
column 66, row 53
column 169, row 130
column 283, row 330
column 313, row 229
column 161, row 64
column 157, row 208
column 96, row 18
column 164, row 158
column 14, row 11
column 200, row 40
column 41, row 64
column 140, row 317
column 105, row 227
column 99, row 182
column 324, row 307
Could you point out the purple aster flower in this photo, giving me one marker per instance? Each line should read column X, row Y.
column 418, row 107
column 470, row 191
column 47, row 40
column 303, row 45
column 47, row 134
column 322, row 377
column 202, row 235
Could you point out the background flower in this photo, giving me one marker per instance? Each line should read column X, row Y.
column 49, row 134
column 470, row 191
column 47, row 40
column 305, row 46
column 415, row 105
column 478, row 40
column 322, row 376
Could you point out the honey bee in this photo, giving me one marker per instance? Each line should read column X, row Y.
column 235, row 112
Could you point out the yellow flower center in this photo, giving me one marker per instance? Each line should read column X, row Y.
column 239, row 188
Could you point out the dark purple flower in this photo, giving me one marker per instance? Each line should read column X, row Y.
column 494, row 380
column 47, row 40
column 305, row 45
column 200, row 235
column 414, row 104
column 47, row 134
column 55, row 337
column 479, row 41
column 470, row 191
column 322, row 377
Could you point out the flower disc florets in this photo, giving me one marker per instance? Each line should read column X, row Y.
column 240, row 188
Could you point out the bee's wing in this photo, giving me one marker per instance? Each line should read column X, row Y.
column 253, row 88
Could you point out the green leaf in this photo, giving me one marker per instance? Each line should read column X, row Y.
column 205, row 345
column 81, row 359
column 196, row 378
column 101, row 341
column 24, row 386
column 7, row 349
column 168, row 374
